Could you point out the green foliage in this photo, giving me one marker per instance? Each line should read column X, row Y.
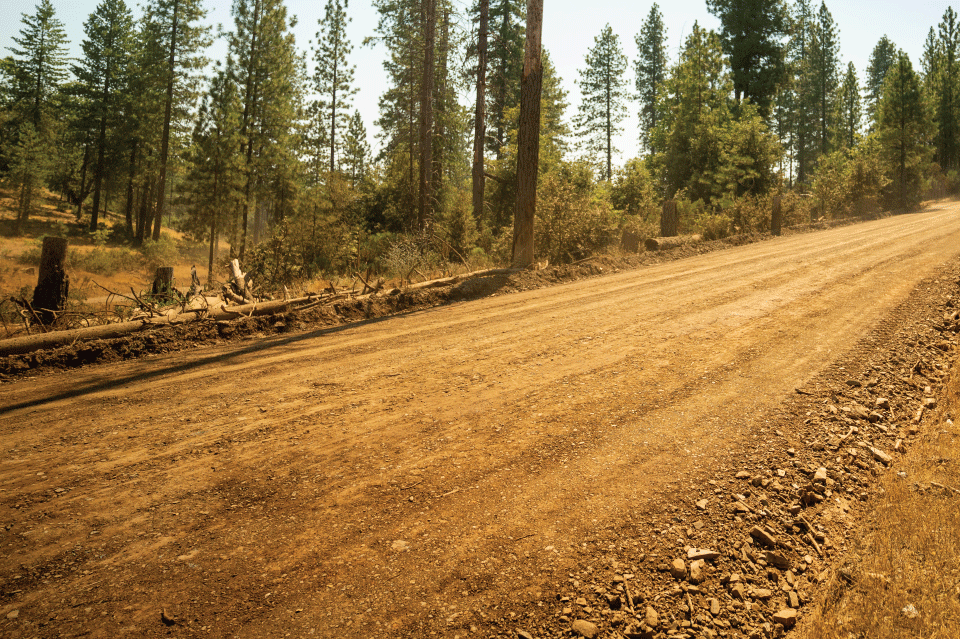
column 574, row 218
column 40, row 63
column 333, row 77
column 157, row 253
column 941, row 62
column 882, row 56
column 904, row 134
column 651, row 71
column 602, row 108
column 633, row 191
column 849, row 110
column 751, row 33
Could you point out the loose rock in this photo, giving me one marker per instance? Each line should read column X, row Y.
column 678, row 569
column 585, row 628
column 786, row 618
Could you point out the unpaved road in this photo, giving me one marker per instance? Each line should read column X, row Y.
column 421, row 474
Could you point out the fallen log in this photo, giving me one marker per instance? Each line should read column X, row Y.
column 666, row 243
column 31, row 343
column 445, row 281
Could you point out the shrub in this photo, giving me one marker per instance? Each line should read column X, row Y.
column 162, row 252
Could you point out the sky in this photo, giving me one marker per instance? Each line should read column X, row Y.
column 569, row 29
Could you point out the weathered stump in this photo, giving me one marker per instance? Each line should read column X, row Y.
column 53, row 283
column 630, row 241
column 162, row 282
column 776, row 216
column 669, row 219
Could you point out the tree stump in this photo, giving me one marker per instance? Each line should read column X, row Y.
column 630, row 241
column 53, row 283
column 776, row 217
column 162, row 282
column 669, row 219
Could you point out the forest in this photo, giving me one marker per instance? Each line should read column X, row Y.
column 261, row 156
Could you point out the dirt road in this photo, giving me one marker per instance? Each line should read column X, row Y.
column 421, row 474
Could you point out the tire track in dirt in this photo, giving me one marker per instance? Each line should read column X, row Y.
column 289, row 465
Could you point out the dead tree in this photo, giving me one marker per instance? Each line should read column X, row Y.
column 53, row 283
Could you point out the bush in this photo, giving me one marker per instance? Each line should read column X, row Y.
column 104, row 261
column 162, row 252
column 574, row 217
column 713, row 226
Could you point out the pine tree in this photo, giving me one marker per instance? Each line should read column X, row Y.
column 528, row 138
column 800, row 100
column 849, row 110
column 881, row 58
column 478, row 174
column 214, row 182
column 752, row 32
column 507, row 18
column 174, row 40
column 693, row 113
column 942, row 72
column 356, row 151
column 103, row 75
column 602, row 108
column 41, row 63
column 39, row 66
column 268, row 72
column 903, row 130
column 333, row 77
column 651, row 70
column 824, row 64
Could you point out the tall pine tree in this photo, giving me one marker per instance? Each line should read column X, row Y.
column 333, row 77
column 881, row 58
column 904, row 133
column 103, row 75
column 752, row 33
column 602, row 108
column 651, row 70
column 849, row 110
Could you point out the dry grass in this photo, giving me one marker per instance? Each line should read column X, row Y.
column 903, row 580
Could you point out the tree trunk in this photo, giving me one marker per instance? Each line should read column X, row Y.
column 162, row 281
column 776, row 216
column 101, row 151
column 669, row 219
column 53, row 283
column 167, row 115
column 528, row 151
column 133, row 167
column 83, row 182
column 429, row 21
column 480, row 113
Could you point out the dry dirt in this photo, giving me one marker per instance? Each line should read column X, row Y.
column 485, row 467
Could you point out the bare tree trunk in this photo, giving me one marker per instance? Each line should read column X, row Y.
column 133, row 168
column 528, row 151
column 776, row 216
column 53, row 283
column 669, row 219
column 480, row 113
column 429, row 22
column 167, row 115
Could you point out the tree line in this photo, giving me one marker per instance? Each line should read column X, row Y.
column 263, row 149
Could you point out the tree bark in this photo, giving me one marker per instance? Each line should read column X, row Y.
column 167, row 115
column 162, row 281
column 528, row 151
column 669, row 219
column 53, row 283
column 480, row 113
column 776, row 216
column 429, row 21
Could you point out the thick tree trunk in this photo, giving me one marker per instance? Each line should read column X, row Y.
column 528, row 151
column 162, row 281
column 669, row 219
column 776, row 216
column 480, row 113
column 53, row 283
column 101, row 152
column 429, row 21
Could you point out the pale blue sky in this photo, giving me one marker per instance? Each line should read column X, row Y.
column 569, row 28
